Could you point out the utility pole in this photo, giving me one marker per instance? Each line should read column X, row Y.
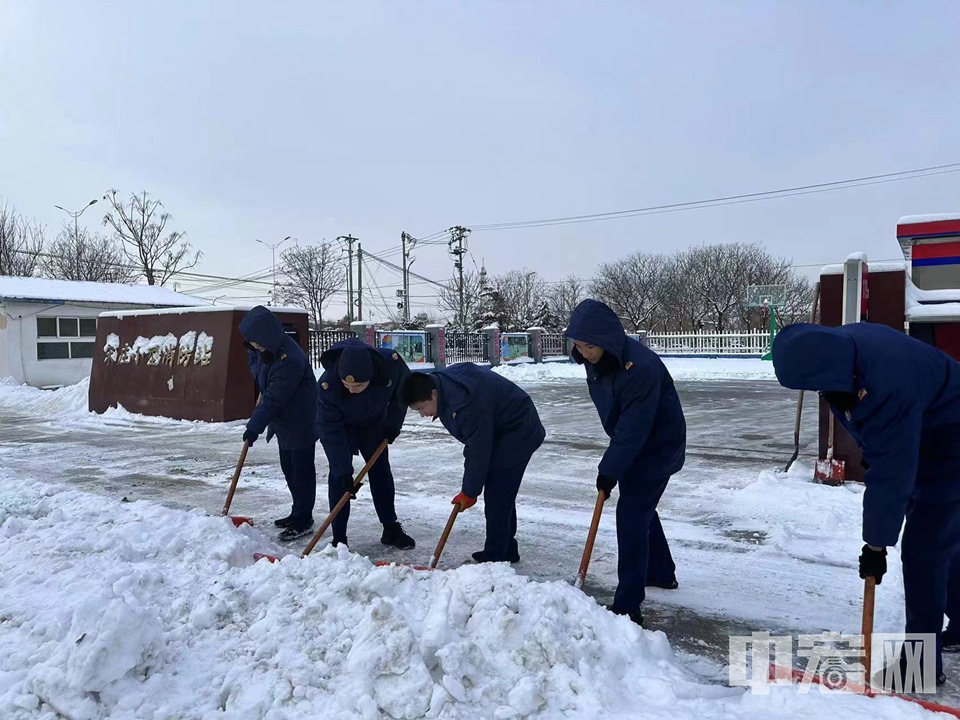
column 359, row 282
column 458, row 235
column 349, row 240
column 273, row 261
column 404, row 239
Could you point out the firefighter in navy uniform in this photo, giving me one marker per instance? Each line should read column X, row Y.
column 286, row 409
column 357, row 409
column 641, row 413
column 899, row 399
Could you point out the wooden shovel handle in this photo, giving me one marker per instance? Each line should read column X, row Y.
column 236, row 478
column 866, row 626
column 591, row 538
column 357, row 484
column 236, row 473
column 443, row 538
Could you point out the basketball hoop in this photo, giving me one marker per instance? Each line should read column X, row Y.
column 768, row 297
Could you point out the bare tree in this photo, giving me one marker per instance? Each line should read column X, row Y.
column 139, row 227
column 634, row 287
column 448, row 299
column 316, row 273
column 564, row 296
column 517, row 299
column 21, row 242
column 81, row 255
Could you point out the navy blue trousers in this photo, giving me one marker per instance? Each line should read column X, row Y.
column 643, row 550
column 928, row 549
column 500, row 511
column 300, row 472
column 366, row 440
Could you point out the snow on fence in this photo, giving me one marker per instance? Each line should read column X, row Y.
column 728, row 343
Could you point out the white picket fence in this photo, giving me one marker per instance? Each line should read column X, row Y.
column 731, row 344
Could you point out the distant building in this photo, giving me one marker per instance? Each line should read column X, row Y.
column 48, row 327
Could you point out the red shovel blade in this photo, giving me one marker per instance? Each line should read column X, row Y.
column 830, row 472
column 388, row 563
column 239, row 520
column 264, row 556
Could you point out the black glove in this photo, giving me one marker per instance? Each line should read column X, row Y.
column 606, row 485
column 873, row 563
column 270, row 433
column 391, row 434
column 348, row 486
column 250, row 437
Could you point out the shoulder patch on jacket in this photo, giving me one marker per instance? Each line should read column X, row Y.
column 628, row 365
column 862, row 394
column 389, row 383
column 283, row 357
column 325, row 385
column 396, row 356
column 454, row 414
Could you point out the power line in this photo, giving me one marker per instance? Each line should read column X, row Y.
column 727, row 199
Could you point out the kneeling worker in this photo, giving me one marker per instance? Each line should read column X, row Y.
column 500, row 429
column 287, row 408
column 357, row 409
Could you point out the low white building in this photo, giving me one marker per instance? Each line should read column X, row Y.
column 48, row 327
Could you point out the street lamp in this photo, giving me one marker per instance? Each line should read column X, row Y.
column 273, row 255
column 76, row 215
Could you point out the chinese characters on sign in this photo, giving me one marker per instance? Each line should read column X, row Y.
column 899, row 662
column 160, row 350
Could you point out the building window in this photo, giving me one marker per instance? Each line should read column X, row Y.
column 46, row 327
column 68, row 327
column 57, row 328
column 53, row 351
column 81, row 350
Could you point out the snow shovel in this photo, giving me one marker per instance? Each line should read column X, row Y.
column 778, row 672
column 796, row 427
column 830, row 471
column 591, row 537
column 238, row 520
column 357, row 484
column 435, row 558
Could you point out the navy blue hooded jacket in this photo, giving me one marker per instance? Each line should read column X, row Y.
column 635, row 398
column 906, row 415
column 494, row 419
column 288, row 390
column 338, row 411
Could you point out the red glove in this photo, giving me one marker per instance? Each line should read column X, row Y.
column 465, row 501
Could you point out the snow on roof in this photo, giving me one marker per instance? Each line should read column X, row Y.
column 880, row 266
column 204, row 308
column 34, row 289
column 913, row 219
column 932, row 305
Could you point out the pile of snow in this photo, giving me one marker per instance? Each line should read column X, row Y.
column 682, row 370
column 66, row 402
column 136, row 610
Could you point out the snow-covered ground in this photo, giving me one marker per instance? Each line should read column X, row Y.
column 124, row 596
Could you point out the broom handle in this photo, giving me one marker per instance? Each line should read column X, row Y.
column 591, row 538
column 796, row 425
column 866, row 626
column 443, row 537
column 357, row 484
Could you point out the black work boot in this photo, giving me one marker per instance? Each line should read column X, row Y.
column 669, row 585
column 481, row 557
column 636, row 616
column 292, row 532
column 340, row 541
column 393, row 534
column 283, row 522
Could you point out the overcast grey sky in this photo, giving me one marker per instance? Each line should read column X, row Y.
column 319, row 119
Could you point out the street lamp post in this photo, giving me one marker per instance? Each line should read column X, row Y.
column 76, row 215
column 273, row 256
